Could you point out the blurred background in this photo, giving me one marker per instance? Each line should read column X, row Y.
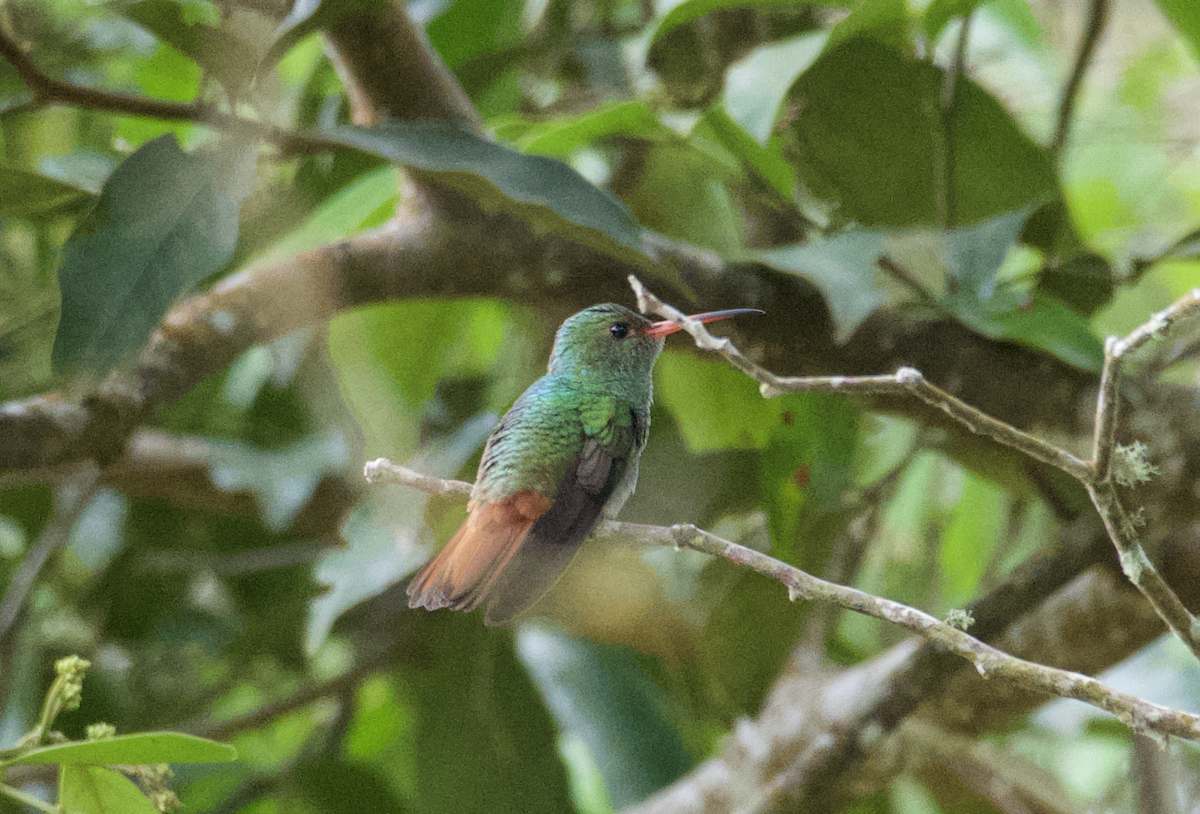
column 229, row 573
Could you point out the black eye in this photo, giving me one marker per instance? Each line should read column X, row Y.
column 619, row 330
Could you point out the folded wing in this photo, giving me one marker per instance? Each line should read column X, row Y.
column 508, row 553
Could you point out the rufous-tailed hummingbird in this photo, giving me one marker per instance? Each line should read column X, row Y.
column 563, row 457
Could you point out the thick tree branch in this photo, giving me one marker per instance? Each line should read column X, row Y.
column 405, row 79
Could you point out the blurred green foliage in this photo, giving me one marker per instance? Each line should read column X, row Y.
column 811, row 138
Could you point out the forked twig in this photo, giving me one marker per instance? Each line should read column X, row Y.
column 1111, row 464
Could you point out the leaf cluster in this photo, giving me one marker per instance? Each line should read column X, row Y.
column 231, row 576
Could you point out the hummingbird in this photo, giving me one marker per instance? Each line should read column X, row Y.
column 564, row 457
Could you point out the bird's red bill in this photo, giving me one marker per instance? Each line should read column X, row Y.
column 667, row 327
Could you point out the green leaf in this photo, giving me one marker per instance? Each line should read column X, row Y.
column 305, row 17
column 1085, row 283
column 545, row 192
column 745, row 665
column 602, row 695
column 29, row 195
column 767, row 161
column 164, row 221
column 561, row 136
column 756, row 84
column 27, row 319
column 872, row 133
column 843, row 268
column 484, row 740
column 1047, row 323
column 805, row 470
column 679, row 196
column 716, row 406
column 883, row 20
column 231, row 59
column 97, row 790
column 974, row 254
column 332, row 785
column 343, row 214
column 973, row 530
column 142, row 748
column 1185, row 16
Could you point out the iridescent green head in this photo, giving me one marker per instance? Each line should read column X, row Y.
column 606, row 346
column 609, row 347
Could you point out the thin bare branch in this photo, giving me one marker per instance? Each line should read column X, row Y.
column 72, row 496
column 1096, row 475
column 1140, row 570
column 1128, row 466
column 990, row 662
column 906, row 380
column 946, row 198
column 1107, row 410
column 1097, row 17
column 381, row 470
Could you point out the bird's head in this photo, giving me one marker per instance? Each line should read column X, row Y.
column 609, row 341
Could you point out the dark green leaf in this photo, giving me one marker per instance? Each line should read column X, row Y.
column 97, row 790
column 164, row 221
column 883, row 20
column 692, row 10
column 467, row 30
column 600, row 694
column 1042, row 322
column 1085, row 283
column 541, row 190
column 29, row 195
column 231, row 59
column 1048, row 324
column 746, row 655
column 484, row 741
column 871, row 134
column 343, row 786
column 142, row 748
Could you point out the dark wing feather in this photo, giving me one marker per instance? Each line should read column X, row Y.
column 556, row 536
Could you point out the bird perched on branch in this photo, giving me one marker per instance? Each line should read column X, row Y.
column 562, row 458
